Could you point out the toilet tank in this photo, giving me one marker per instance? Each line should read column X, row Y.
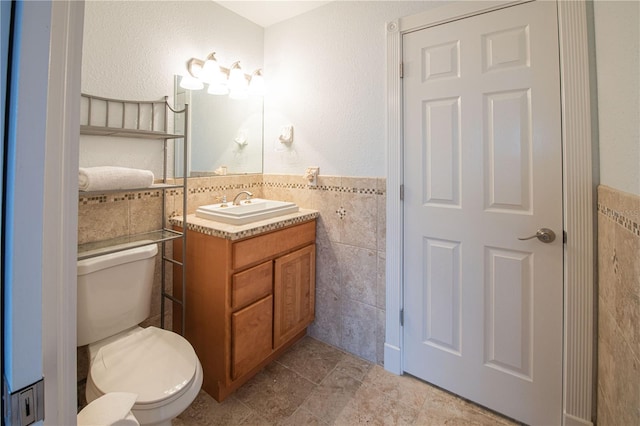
column 114, row 292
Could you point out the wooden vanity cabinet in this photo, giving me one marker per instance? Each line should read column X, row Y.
column 248, row 300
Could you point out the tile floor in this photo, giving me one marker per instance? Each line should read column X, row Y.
column 316, row 384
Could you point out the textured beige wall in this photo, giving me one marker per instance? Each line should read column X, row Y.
column 618, row 307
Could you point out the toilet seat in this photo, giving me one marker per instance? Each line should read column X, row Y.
column 156, row 364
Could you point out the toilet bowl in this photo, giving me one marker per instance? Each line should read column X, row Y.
column 157, row 365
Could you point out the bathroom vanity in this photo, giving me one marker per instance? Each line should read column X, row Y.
column 250, row 293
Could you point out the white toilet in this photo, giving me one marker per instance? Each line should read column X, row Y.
column 161, row 367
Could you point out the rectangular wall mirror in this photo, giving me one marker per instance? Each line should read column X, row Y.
column 225, row 135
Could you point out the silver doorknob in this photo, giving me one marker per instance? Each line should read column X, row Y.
column 545, row 235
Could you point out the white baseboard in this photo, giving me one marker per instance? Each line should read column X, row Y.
column 392, row 359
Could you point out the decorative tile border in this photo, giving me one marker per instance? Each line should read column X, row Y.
column 622, row 218
column 222, row 188
column 330, row 188
column 228, row 232
column 267, row 181
column 119, row 196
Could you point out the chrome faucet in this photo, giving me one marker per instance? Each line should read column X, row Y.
column 235, row 199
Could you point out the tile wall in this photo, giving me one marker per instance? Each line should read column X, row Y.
column 618, row 307
column 117, row 214
column 350, row 277
column 350, row 271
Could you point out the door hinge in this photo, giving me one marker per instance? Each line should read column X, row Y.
column 402, row 192
column 25, row 406
column 402, row 317
column 564, row 237
column 401, row 70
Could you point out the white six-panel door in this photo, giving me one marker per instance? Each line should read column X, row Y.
column 483, row 167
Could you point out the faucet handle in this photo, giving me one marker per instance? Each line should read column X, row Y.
column 222, row 199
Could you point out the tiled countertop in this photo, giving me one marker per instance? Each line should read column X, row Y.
column 236, row 232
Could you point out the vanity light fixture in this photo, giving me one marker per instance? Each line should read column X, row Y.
column 220, row 80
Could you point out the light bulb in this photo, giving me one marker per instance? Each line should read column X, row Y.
column 190, row 83
column 210, row 71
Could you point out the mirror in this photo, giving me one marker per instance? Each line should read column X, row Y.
column 225, row 135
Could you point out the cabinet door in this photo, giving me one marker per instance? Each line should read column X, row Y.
column 294, row 293
column 251, row 330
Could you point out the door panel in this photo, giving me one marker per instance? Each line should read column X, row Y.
column 482, row 167
column 441, row 179
column 442, row 307
column 507, row 151
column 508, row 299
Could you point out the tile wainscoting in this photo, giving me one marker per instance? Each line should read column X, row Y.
column 350, row 282
column 618, row 307
column 350, row 273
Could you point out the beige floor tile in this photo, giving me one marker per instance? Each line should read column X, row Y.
column 443, row 408
column 207, row 411
column 275, row 393
column 411, row 391
column 311, row 359
column 352, row 391
column 302, row 417
column 357, row 368
column 254, row 420
column 372, row 407
column 440, row 408
column 329, row 398
column 484, row 418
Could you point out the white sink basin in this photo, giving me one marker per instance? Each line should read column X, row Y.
column 248, row 211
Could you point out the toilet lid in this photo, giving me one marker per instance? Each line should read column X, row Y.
column 154, row 363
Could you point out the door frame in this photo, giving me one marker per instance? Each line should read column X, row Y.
column 578, row 187
column 60, row 224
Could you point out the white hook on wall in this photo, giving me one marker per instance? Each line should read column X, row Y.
column 241, row 138
column 286, row 134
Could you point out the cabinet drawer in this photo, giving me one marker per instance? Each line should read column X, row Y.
column 251, row 285
column 266, row 246
column 251, row 330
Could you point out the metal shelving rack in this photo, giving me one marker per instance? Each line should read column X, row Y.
column 139, row 120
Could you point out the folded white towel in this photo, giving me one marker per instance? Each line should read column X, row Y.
column 108, row 178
